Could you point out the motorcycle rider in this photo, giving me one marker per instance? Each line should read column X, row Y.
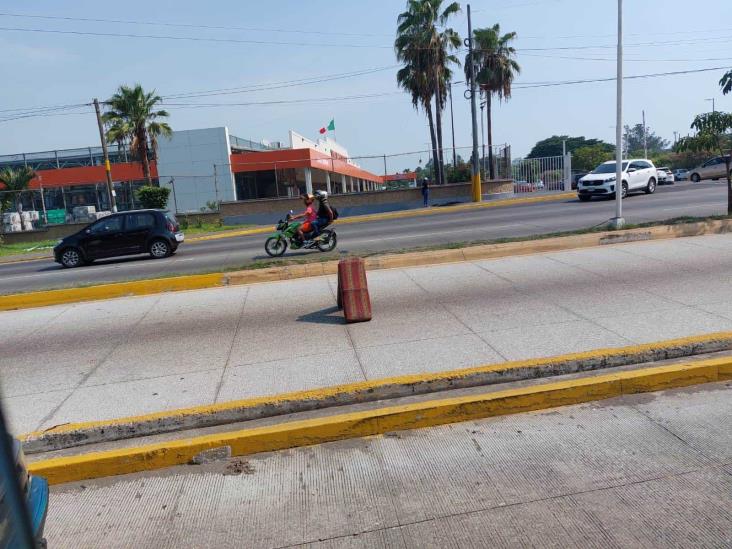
column 325, row 215
column 309, row 215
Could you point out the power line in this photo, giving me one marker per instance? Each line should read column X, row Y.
column 613, row 59
column 185, row 25
column 612, row 78
column 190, row 38
column 278, row 85
column 342, row 45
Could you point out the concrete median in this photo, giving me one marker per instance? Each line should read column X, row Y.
column 79, row 434
column 382, row 420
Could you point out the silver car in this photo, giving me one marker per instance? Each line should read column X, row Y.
column 714, row 168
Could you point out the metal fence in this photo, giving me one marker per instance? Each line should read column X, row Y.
column 551, row 173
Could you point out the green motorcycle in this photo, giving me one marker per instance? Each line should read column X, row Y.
column 276, row 244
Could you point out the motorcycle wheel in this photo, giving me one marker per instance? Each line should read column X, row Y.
column 327, row 241
column 275, row 246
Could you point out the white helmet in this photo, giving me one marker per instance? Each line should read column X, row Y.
column 321, row 194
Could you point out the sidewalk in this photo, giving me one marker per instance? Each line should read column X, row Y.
column 107, row 359
column 649, row 470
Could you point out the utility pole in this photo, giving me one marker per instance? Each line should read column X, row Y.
column 645, row 138
column 385, row 172
column 618, row 222
column 712, row 100
column 482, row 140
column 452, row 124
column 107, row 166
column 477, row 185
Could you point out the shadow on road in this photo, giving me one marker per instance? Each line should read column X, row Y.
column 324, row 316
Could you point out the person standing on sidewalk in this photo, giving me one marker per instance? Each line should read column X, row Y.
column 426, row 192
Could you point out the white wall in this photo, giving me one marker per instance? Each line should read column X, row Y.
column 324, row 145
column 189, row 157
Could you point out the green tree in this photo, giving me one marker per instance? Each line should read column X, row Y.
column 132, row 116
column 153, row 197
column 589, row 157
column 425, row 53
column 552, row 146
column 712, row 134
column 633, row 140
column 495, row 69
column 15, row 180
column 726, row 83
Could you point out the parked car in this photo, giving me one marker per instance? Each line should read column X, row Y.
column 681, row 174
column 638, row 175
column 135, row 232
column 35, row 491
column 714, row 168
column 665, row 176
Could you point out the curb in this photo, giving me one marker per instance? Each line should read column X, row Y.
column 416, row 212
column 380, row 421
column 386, row 261
column 79, row 434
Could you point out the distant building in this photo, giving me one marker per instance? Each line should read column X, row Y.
column 202, row 167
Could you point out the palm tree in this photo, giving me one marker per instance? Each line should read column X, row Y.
column 495, row 69
column 15, row 180
column 726, row 83
column 425, row 52
column 131, row 113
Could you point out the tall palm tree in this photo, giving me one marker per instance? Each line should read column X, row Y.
column 496, row 69
column 726, row 83
column 132, row 111
column 425, row 53
column 15, row 180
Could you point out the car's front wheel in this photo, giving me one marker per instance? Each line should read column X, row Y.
column 651, row 187
column 71, row 257
column 624, row 192
column 160, row 248
column 584, row 197
column 695, row 178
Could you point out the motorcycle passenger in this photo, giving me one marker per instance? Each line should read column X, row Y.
column 325, row 215
column 309, row 215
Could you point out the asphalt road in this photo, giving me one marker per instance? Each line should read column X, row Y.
column 511, row 221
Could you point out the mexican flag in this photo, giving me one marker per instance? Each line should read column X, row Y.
column 329, row 128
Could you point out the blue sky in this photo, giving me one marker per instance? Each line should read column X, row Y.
column 55, row 69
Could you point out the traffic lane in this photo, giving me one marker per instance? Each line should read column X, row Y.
column 384, row 235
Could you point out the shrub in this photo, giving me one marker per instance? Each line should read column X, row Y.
column 153, row 197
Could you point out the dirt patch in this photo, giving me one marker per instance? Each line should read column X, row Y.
column 238, row 466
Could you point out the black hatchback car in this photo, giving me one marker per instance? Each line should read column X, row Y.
column 135, row 232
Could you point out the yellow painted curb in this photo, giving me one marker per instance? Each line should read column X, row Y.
column 385, row 261
column 401, row 214
column 109, row 291
column 374, row 422
column 450, row 378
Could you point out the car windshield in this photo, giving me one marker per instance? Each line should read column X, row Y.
column 608, row 168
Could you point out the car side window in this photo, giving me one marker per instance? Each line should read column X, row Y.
column 140, row 221
column 107, row 225
column 635, row 165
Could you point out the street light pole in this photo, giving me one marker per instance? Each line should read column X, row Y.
column 618, row 222
column 477, row 186
column 712, row 100
column 645, row 139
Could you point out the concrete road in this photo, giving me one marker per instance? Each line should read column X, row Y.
column 669, row 201
column 645, row 471
column 107, row 359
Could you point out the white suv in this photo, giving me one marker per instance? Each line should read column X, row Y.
column 638, row 175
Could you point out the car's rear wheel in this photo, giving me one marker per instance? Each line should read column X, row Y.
column 651, row 187
column 160, row 248
column 695, row 178
column 584, row 197
column 71, row 257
